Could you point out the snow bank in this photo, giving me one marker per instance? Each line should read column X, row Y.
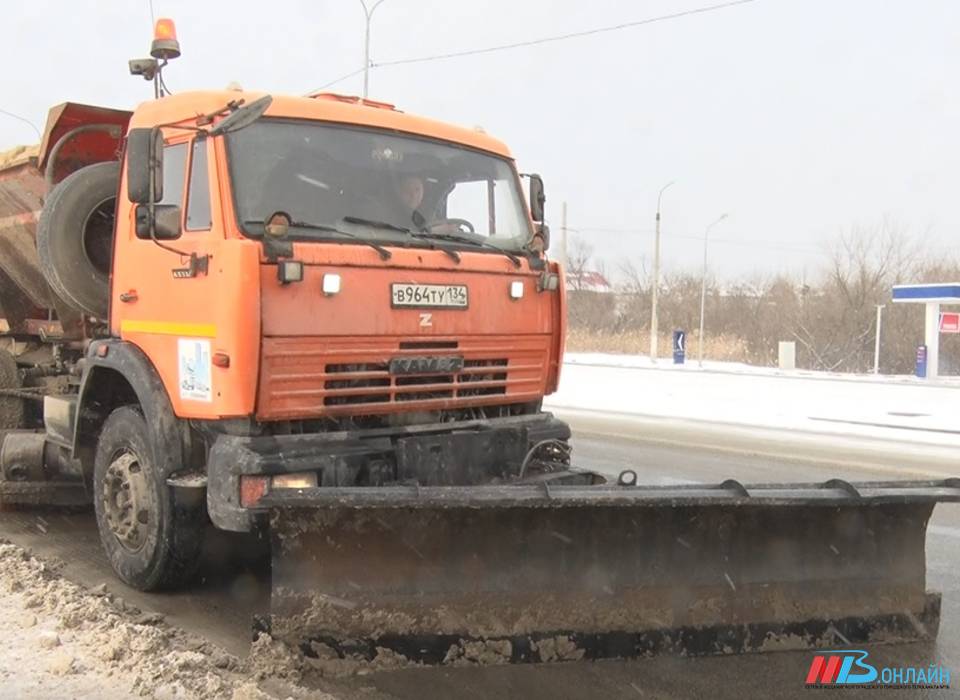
column 900, row 408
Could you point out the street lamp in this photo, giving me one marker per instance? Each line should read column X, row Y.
column 366, row 44
column 656, row 281
column 703, row 289
column 876, row 344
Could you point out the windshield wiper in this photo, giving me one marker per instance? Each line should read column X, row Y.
column 374, row 222
column 452, row 254
column 469, row 241
column 384, row 253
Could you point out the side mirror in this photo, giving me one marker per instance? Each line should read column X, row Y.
column 166, row 219
column 242, row 117
column 537, row 197
column 144, row 166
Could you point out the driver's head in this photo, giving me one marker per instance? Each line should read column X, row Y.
column 409, row 190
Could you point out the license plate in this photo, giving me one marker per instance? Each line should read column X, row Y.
column 429, row 296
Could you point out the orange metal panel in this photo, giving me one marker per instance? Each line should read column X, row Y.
column 363, row 305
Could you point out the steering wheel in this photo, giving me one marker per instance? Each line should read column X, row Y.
column 460, row 224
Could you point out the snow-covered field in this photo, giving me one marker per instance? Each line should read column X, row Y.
column 894, row 408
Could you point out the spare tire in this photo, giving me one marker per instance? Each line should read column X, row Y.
column 75, row 237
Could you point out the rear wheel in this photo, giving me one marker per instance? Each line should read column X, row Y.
column 151, row 541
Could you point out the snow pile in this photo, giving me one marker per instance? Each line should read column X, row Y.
column 61, row 640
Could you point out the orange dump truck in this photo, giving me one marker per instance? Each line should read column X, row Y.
column 327, row 319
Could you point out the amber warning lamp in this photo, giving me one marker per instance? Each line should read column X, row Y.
column 165, row 45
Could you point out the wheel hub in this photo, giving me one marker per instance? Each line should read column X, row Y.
column 125, row 501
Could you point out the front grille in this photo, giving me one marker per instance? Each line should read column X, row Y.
column 486, row 377
column 475, row 379
column 312, row 376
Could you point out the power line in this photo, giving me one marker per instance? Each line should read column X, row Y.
column 24, row 120
column 338, row 80
column 695, row 237
column 542, row 40
column 153, row 17
column 563, row 37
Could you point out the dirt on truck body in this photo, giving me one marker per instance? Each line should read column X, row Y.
column 326, row 318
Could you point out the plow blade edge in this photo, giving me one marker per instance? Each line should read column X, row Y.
column 530, row 573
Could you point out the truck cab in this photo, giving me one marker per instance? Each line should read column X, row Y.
column 311, row 274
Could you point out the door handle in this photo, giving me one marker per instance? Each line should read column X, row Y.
column 129, row 296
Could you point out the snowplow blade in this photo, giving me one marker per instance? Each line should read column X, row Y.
column 541, row 573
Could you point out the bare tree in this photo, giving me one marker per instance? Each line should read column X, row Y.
column 836, row 324
column 830, row 313
column 578, row 261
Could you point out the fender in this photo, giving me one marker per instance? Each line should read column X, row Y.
column 102, row 390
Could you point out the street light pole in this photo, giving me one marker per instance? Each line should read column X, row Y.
column 703, row 290
column 876, row 345
column 366, row 44
column 656, row 281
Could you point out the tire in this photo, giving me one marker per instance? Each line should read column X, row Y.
column 75, row 236
column 162, row 548
column 11, row 407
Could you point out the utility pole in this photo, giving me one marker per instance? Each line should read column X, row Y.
column 563, row 234
column 876, row 345
column 366, row 44
column 656, row 282
column 703, row 290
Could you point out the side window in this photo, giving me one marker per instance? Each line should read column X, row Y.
column 198, row 197
column 174, row 171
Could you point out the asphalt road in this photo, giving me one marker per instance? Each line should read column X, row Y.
column 235, row 581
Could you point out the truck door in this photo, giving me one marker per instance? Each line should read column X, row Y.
column 159, row 300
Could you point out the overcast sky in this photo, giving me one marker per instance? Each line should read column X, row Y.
column 801, row 118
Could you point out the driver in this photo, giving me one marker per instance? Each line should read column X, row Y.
column 408, row 191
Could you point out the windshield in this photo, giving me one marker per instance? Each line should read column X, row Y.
column 373, row 184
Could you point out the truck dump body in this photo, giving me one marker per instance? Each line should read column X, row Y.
column 24, row 293
column 603, row 570
column 76, row 135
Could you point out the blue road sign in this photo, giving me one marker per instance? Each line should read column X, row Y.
column 679, row 346
column 922, row 361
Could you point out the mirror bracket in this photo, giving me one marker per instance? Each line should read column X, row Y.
column 199, row 265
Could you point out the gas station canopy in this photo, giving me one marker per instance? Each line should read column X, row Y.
column 931, row 296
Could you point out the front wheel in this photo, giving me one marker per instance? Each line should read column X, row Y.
column 152, row 542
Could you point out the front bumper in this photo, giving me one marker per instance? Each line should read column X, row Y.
column 464, row 453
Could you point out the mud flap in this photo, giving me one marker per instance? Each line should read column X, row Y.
column 537, row 573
